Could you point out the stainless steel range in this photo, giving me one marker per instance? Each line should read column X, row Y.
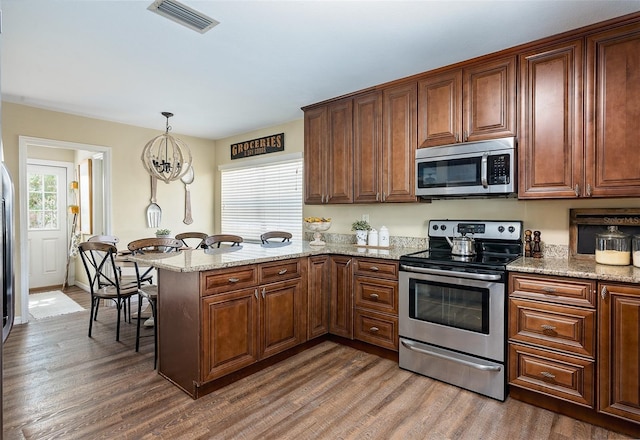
column 452, row 300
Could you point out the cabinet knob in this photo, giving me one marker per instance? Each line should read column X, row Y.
column 547, row 375
column 548, row 327
column 282, row 271
column 466, row 136
column 255, row 292
column 547, row 289
column 374, row 268
column 577, row 190
column 374, row 296
column 263, row 291
column 374, row 329
column 588, row 190
column 603, row 292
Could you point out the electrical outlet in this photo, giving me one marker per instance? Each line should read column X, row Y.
column 365, row 217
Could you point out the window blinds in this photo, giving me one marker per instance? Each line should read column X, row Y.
column 262, row 198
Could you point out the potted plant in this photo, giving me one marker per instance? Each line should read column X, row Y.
column 361, row 227
column 163, row 233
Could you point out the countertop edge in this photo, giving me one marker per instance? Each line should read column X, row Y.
column 575, row 268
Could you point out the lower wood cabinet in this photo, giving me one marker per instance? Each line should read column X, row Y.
column 619, row 350
column 551, row 340
column 318, row 296
column 375, row 286
column 574, row 339
column 341, row 297
column 229, row 332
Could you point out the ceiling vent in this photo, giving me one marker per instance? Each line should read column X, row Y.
column 183, row 14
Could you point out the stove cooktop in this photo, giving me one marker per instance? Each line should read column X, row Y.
column 498, row 243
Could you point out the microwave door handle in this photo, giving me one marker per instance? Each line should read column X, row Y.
column 483, row 170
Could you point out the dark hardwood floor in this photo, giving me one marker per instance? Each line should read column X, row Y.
column 58, row 383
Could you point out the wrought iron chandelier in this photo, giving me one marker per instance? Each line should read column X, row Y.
column 166, row 157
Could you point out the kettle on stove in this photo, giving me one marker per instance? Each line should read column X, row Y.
column 463, row 245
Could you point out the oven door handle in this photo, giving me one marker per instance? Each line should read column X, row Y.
column 470, row 275
column 412, row 347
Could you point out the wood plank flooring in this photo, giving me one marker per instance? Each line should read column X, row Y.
column 58, row 383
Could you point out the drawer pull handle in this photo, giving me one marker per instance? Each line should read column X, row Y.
column 547, row 375
column 374, row 329
column 282, row 272
column 374, row 268
column 263, row 292
column 374, row 296
column 549, row 289
column 234, row 280
column 548, row 327
column 255, row 292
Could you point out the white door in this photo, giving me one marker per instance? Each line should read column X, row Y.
column 47, row 225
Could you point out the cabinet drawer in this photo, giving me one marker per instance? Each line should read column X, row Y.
column 376, row 267
column 562, row 376
column 553, row 326
column 376, row 328
column 226, row 280
column 376, row 294
column 279, row 271
column 568, row 291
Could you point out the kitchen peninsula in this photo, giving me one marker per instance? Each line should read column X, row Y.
column 225, row 309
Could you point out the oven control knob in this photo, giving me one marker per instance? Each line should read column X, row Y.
column 443, row 227
column 512, row 229
column 501, row 229
column 435, row 227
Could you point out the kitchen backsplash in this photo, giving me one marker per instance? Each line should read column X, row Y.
column 396, row 242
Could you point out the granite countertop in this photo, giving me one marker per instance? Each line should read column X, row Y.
column 196, row 260
column 576, row 268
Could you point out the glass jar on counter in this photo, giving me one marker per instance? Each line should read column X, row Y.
column 635, row 249
column 613, row 247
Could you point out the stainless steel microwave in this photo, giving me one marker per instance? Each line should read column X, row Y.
column 470, row 169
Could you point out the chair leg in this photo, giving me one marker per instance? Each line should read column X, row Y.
column 138, row 323
column 155, row 333
column 95, row 317
column 119, row 307
column 93, row 302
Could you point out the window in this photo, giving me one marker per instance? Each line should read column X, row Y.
column 262, row 197
column 43, row 201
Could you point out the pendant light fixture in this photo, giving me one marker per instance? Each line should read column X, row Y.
column 165, row 157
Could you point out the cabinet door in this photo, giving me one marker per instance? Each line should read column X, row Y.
column 341, row 300
column 318, row 296
column 315, row 154
column 339, row 163
column 440, row 109
column 619, row 351
column 282, row 320
column 367, row 146
column 551, row 141
column 613, row 109
column 399, row 147
column 489, row 100
column 229, row 333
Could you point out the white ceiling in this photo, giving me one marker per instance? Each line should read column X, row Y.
column 117, row 61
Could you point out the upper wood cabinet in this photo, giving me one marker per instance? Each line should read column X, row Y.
column 551, row 146
column 367, row 147
column 556, row 161
column 473, row 103
column 400, row 117
column 613, row 109
column 328, row 150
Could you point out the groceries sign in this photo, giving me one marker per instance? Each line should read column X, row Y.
column 254, row 147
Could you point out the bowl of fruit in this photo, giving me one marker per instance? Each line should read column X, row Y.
column 317, row 225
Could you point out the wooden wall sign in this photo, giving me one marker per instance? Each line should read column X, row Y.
column 584, row 224
column 254, row 147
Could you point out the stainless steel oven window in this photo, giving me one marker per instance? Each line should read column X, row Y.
column 463, row 307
